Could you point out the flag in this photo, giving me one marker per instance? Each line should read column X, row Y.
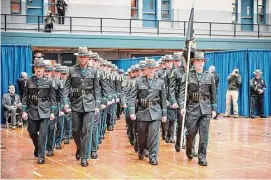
column 190, row 37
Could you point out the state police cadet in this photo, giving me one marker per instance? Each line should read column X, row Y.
column 83, row 84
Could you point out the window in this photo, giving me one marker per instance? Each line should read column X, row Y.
column 134, row 8
column 234, row 11
column 16, row 6
column 165, row 9
column 261, row 11
column 52, row 6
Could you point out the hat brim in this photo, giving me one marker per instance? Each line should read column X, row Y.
column 81, row 54
column 38, row 65
column 257, row 73
column 196, row 59
column 148, row 66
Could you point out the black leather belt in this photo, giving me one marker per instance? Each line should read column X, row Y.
column 147, row 104
column 197, row 97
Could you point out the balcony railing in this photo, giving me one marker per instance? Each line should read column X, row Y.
column 92, row 25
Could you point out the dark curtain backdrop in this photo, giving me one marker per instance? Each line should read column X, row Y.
column 14, row 60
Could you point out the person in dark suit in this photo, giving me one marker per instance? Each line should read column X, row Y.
column 83, row 85
column 61, row 8
column 39, row 104
column 149, row 92
column 21, row 84
column 200, row 106
column 12, row 105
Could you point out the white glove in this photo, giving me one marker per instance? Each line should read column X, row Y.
column 182, row 112
column 24, row 116
column 133, row 117
column 164, row 119
column 213, row 114
column 117, row 100
column 61, row 113
column 52, row 117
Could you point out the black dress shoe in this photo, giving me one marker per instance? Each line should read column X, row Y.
column 77, row 155
column 167, row 140
column 50, row 153
column 66, row 141
column 36, row 153
column 41, row 161
column 202, row 162
column 140, row 156
column 146, row 153
column 252, row 117
column 172, row 141
column 58, row 146
column 100, row 141
column 194, row 154
column 177, row 148
column 153, row 162
column 163, row 137
column 189, row 154
column 94, row 155
column 263, row 116
column 84, row 162
column 110, row 128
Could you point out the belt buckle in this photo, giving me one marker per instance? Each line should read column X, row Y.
column 150, row 104
column 83, row 93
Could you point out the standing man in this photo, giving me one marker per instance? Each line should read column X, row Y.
column 257, row 88
column 39, row 104
column 61, row 8
column 48, row 70
column 21, row 84
column 234, row 83
column 216, row 78
column 83, row 84
column 12, row 104
column 149, row 91
column 201, row 105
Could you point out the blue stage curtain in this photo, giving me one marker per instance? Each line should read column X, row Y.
column 14, row 60
column 127, row 63
column 261, row 59
column 225, row 62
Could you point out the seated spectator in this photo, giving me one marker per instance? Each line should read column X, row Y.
column 12, row 105
column 49, row 20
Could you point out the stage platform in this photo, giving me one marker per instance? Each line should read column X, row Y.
column 238, row 149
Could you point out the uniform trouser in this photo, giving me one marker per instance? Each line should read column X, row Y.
column 39, row 140
column 67, row 126
column 179, row 128
column 149, row 136
column 130, row 126
column 110, row 115
column 95, row 133
column 195, row 124
column 51, row 134
column 61, row 15
column 232, row 95
column 115, row 107
column 171, row 121
column 257, row 100
column 82, row 125
column 164, row 129
column 118, row 110
column 60, row 129
column 136, row 138
column 103, row 122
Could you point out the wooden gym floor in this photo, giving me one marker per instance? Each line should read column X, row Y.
column 238, row 149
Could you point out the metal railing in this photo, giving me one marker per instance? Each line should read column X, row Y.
column 11, row 22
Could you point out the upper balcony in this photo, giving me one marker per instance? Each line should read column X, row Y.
column 133, row 29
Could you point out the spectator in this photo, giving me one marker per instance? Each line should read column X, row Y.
column 234, row 83
column 49, row 20
column 12, row 105
column 21, row 83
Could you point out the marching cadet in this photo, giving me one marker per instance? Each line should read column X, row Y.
column 172, row 108
column 120, row 79
column 39, row 104
column 175, row 84
column 67, row 114
column 116, row 86
column 257, row 88
column 110, row 110
column 149, row 91
column 201, row 106
column 59, row 86
column 48, row 70
column 53, row 133
column 83, row 84
column 94, row 61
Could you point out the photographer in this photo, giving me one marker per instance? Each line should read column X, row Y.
column 234, row 82
column 49, row 22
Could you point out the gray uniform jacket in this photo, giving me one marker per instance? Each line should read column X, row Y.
column 152, row 103
column 84, row 88
column 39, row 99
column 201, row 93
column 175, row 83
